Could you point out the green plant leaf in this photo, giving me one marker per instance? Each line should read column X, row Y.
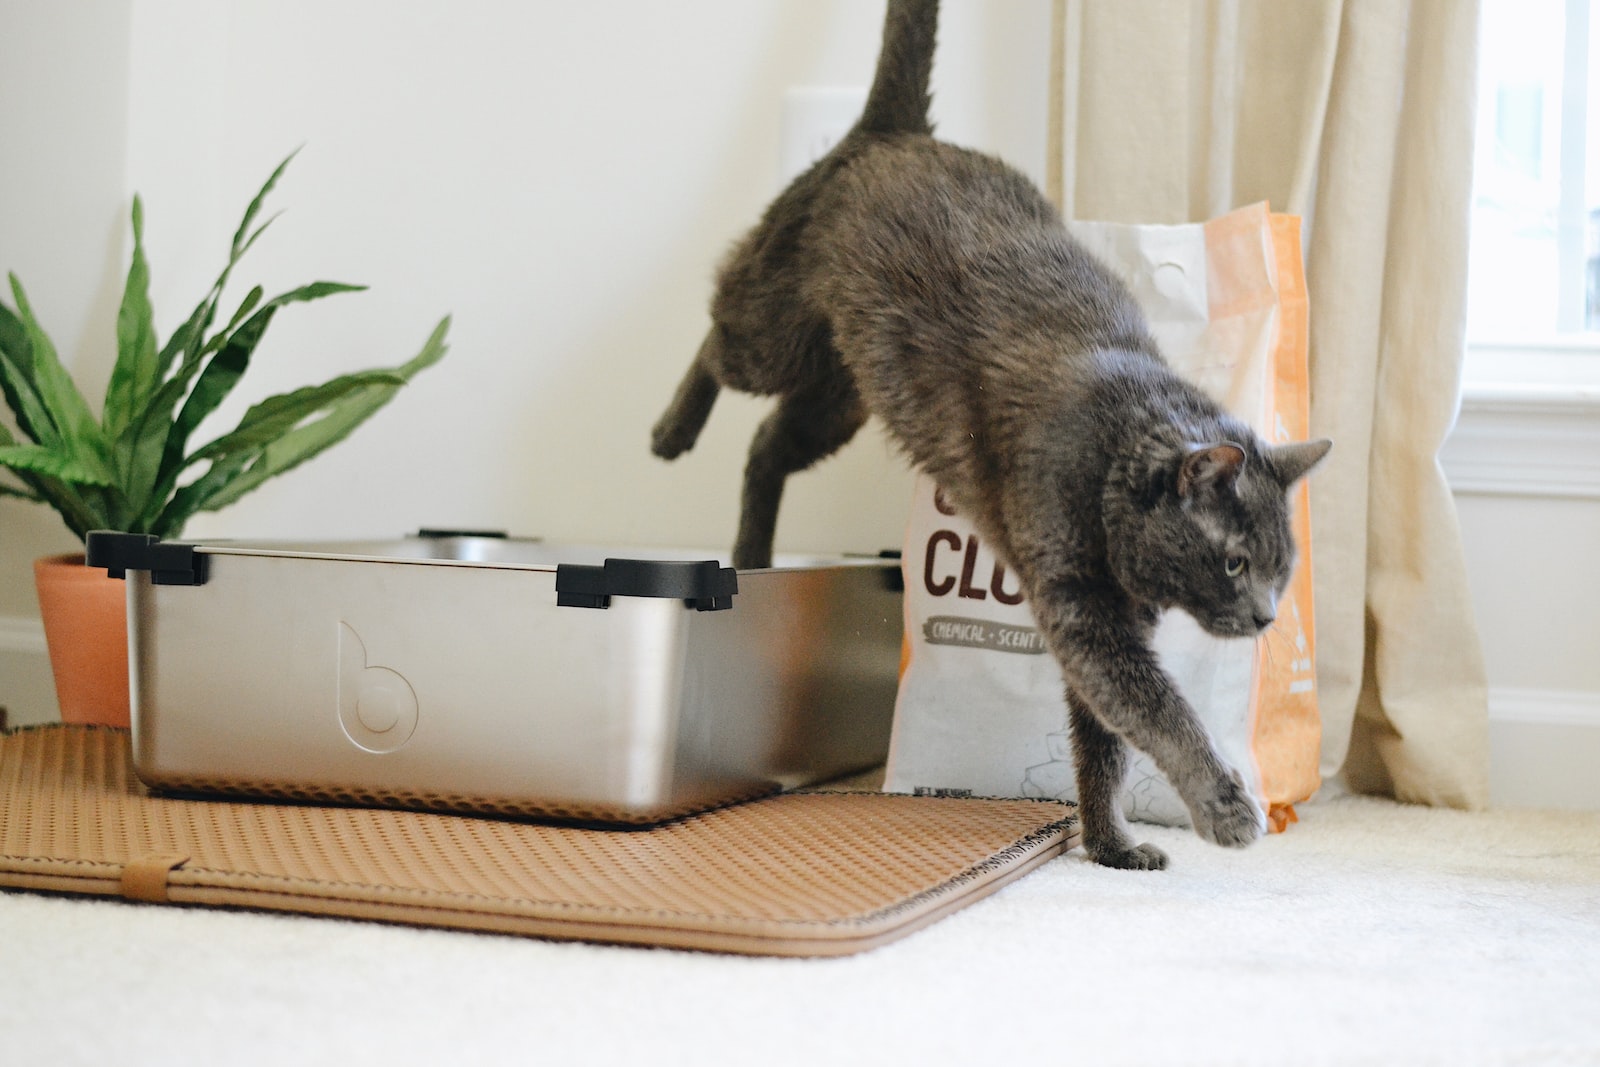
column 159, row 444
column 185, row 341
column 79, row 515
column 136, row 372
column 189, row 339
column 120, row 471
column 68, row 411
column 16, row 378
column 59, row 420
column 235, row 347
column 13, row 335
column 237, row 474
column 251, row 300
column 277, row 415
column 152, row 442
column 240, row 242
column 16, row 374
column 55, row 463
column 27, row 492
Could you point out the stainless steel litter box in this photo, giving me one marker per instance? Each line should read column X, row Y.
column 500, row 675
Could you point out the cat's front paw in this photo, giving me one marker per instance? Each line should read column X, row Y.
column 1229, row 816
column 1145, row 857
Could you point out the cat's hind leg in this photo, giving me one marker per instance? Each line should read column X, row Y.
column 807, row 426
column 1100, row 762
column 679, row 426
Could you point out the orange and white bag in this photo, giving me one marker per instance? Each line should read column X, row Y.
column 981, row 707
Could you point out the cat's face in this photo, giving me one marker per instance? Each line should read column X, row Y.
column 1217, row 541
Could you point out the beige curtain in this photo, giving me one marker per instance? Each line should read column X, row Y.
column 1357, row 116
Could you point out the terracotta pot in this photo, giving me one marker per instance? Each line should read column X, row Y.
column 86, row 630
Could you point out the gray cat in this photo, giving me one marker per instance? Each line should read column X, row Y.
column 937, row 289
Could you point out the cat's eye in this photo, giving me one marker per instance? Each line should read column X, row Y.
column 1234, row 566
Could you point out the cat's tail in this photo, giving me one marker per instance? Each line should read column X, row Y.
column 898, row 100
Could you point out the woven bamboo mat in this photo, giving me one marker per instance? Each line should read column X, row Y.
column 799, row 874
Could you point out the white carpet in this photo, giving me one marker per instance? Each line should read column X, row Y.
column 1369, row 933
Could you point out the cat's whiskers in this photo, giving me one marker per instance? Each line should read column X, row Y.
column 1271, row 637
column 1264, row 644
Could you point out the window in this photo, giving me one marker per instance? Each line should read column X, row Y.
column 1529, row 423
column 1534, row 270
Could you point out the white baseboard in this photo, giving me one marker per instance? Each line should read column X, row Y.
column 1544, row 748
column 1546, row 707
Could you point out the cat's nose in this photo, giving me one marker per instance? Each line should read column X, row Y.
column 1265, row 610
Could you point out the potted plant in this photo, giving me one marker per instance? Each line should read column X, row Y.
column 133, row 468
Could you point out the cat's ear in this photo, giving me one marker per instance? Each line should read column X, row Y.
column 1293, row 462
column 1214, row 466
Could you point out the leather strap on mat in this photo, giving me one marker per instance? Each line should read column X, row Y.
column 799, row 874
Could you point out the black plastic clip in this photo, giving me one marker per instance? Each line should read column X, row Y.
column 432, row 533
column 704, row 586
column 169, row 562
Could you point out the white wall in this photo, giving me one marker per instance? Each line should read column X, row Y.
column 560, row 177
column 63, row 190
column 1525, row 465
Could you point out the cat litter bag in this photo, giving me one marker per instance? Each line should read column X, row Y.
column 981, row 708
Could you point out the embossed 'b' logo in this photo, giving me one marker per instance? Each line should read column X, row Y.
column 377, row 706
